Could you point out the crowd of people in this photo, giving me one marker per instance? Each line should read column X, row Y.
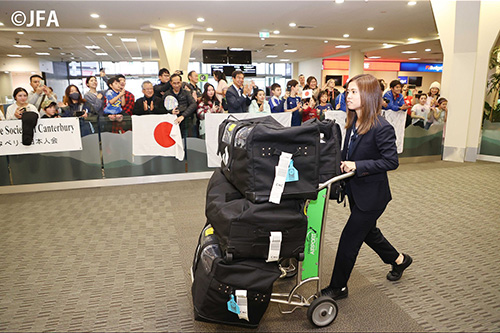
column 303, row 98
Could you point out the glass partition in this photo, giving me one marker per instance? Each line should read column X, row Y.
column 490, row 140
column 61, row 166
column 4, row 171
column 422, row 142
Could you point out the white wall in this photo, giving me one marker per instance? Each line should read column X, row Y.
column 19, row 64
column 311, row 68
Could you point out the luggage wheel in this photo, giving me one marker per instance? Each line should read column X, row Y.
column 322, row 311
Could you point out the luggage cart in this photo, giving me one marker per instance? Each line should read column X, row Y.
column 322, row 310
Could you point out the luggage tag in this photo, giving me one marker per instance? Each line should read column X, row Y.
column 242, row 301
column 232, row 306
column 274, row 246
column 292, row 174
column 280, row 178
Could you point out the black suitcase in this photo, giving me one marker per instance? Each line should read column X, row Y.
column 244, row 228
column 330, row 154
column 251, row 149
column 216, row 283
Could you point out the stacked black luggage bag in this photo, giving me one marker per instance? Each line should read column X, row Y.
column 236, row 261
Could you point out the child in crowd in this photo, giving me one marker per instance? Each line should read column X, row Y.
column 115, row 97
column 323, row 106
column 293, row 103
column 309, row 110
column 438, row 114
column 259, row 103
column 276, row 103
column 50, row 109
column 420, row 111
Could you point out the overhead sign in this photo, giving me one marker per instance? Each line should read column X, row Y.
column 50, row 135
column 421, row 67
column 343, row 65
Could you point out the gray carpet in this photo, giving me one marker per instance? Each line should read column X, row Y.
column 117, row 259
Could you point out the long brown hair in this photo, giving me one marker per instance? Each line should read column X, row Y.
column 68, row 100
column 371, row 102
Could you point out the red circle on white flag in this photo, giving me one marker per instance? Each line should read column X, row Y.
column 162, row 135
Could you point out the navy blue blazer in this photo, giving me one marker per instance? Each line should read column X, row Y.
column 375, row 153
column 235, row 102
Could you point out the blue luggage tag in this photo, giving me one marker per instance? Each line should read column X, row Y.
column 293, row 174
column 232, row 306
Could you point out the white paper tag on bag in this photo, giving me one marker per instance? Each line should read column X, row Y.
column 242, row 301
column 280, row 178
column 274, row 246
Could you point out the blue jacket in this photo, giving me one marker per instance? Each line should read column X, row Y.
column 394, row 103
column 341, row 98
column 375, row 153
column 277, row 105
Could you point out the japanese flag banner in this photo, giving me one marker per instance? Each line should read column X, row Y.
column 307, row 93
column 157, row 135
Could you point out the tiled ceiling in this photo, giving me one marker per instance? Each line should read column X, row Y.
column 234, row 23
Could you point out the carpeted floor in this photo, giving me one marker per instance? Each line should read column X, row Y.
column 118, row 259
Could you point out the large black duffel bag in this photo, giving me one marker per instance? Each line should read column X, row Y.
column 244, row 228
column 251, row 149
column 216, row 285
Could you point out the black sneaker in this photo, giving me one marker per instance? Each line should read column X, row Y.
column 397, row 270
column 335, row 293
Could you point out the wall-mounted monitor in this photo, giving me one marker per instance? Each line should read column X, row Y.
column 337, row 78
column 240, row 57
column 215, row 56
column 415, row 80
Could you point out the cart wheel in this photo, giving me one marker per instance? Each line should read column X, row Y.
column 229, row 256
column 322, row 311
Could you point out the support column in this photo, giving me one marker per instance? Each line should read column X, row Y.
column 356, row 63
column 174, row 48
column 468, row 31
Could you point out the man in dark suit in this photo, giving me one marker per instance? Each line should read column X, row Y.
column 149, row 103
column 237, row 95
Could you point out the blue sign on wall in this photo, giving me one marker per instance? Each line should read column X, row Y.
column 420, row 67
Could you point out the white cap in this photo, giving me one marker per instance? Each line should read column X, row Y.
column 435, row 84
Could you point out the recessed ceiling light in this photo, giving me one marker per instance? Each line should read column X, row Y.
column 208, row 41
column 109, row 35
column 136, row 58
column 20, row 33
column 428, row 50
column 409, row 52
column 14, row 55
column 370, row 28
column 236, row 49
column 192, row 58
column 42, row 53
column 6, row 72
column 412, row 3
column 342, row 46
column 200, row 19
column 413, row 58
column 374, row 57
column 129, row 40
column 171, row 25
column 94, row 15
column 346, row 35
column 339, row 1
column 92, row 47
column 276, row 32
column 290, row 51
column 1, row 24
column 101, row 54
column 410, row 39
column 22, row 46
column 385, row 44
column 325, row 41
column 102, row 26
column 284, row 59
column 210, row 29
column 292, row 24
column 272, row 56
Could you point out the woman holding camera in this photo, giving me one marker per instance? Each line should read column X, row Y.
column 21, row 105
column 73, row 105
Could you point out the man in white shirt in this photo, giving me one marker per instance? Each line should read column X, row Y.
column 40, row 92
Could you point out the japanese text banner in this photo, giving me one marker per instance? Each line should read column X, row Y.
column 50, row 135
